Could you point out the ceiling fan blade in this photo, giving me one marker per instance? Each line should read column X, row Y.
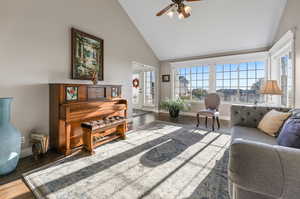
column 163, row 11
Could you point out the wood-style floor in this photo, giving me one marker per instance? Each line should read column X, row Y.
column 13, row 187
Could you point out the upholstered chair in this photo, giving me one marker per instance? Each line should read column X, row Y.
column 212, row 103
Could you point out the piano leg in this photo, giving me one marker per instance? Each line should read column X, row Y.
column 68, row 150
column 88, row 143
column 122, row 129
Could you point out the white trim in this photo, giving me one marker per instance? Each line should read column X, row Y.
column 284, row 46
column 144, row 67
column 233, row 59
column 141, row 72
column 286, row 40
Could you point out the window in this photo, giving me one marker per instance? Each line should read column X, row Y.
column 227, row 81
column 237, row 79
column 149, row 87
column 240, row 82
column 286, row 80
column 192, row 83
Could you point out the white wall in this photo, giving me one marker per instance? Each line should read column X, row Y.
column 291, row 20
column 165, row 87
column 35, row 50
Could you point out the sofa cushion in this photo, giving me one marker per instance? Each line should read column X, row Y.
column 252, row 134
column 272, row 122
column 290, row 133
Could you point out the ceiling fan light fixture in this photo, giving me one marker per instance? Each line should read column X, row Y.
column 177, row 7
column 188, row 9
column 180, row 16
column 171, row 14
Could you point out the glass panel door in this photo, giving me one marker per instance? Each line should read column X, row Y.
column 149, row 89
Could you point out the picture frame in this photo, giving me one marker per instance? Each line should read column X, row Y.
column 165, row 78
column 71, row 93
column 87, row 55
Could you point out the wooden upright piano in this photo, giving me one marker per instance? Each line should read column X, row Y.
column 73, row 104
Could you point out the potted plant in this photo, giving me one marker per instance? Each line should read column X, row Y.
column 174, row 107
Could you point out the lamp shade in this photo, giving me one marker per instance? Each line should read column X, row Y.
column 271, row 87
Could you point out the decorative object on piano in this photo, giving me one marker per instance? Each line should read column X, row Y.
column 136, row 83
column 71, row 93
column 40, row 144
column 10, row 139
column 165, row 78
column 87, row 55
column 95, row 78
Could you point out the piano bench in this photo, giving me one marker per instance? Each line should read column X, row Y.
column 99, row 132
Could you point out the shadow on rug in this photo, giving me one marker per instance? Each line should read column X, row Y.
column 160, row 160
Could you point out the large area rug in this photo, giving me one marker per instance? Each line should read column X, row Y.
column 159, row 160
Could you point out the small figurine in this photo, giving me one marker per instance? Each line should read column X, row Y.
column 95, row 77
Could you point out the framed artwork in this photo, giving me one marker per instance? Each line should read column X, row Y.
column 165, row 78
column 87, row 55
column 71, row 93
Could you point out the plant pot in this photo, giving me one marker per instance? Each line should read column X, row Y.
column 10, row 139
column 174, row 113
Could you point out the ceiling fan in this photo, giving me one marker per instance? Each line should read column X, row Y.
column 179, row 7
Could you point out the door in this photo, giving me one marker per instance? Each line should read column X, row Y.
column 149, row 88
column 137, row 91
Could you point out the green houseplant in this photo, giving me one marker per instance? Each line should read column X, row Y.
column 174, row 107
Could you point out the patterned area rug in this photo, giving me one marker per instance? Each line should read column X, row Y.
column 159, row 160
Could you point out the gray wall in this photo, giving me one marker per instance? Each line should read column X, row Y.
column 35, row 50
column 290, row 20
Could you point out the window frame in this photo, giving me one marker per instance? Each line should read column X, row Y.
column 284, row 46
column 212, row 63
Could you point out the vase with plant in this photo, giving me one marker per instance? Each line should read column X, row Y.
column 174, row 107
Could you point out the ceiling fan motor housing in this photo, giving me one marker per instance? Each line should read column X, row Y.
column 178, row 1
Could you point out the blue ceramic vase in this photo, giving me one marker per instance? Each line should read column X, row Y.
column 10, row 139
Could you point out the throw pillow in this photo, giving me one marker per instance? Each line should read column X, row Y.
column 272, row 122
column 290, row 134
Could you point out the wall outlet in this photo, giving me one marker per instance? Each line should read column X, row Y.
column 23, row 140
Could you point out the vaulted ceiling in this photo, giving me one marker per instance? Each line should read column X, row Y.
column 216, row 26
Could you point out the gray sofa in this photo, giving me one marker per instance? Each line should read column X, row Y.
column 258, row 167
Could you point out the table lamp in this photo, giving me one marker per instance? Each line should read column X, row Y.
column 271, row 88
